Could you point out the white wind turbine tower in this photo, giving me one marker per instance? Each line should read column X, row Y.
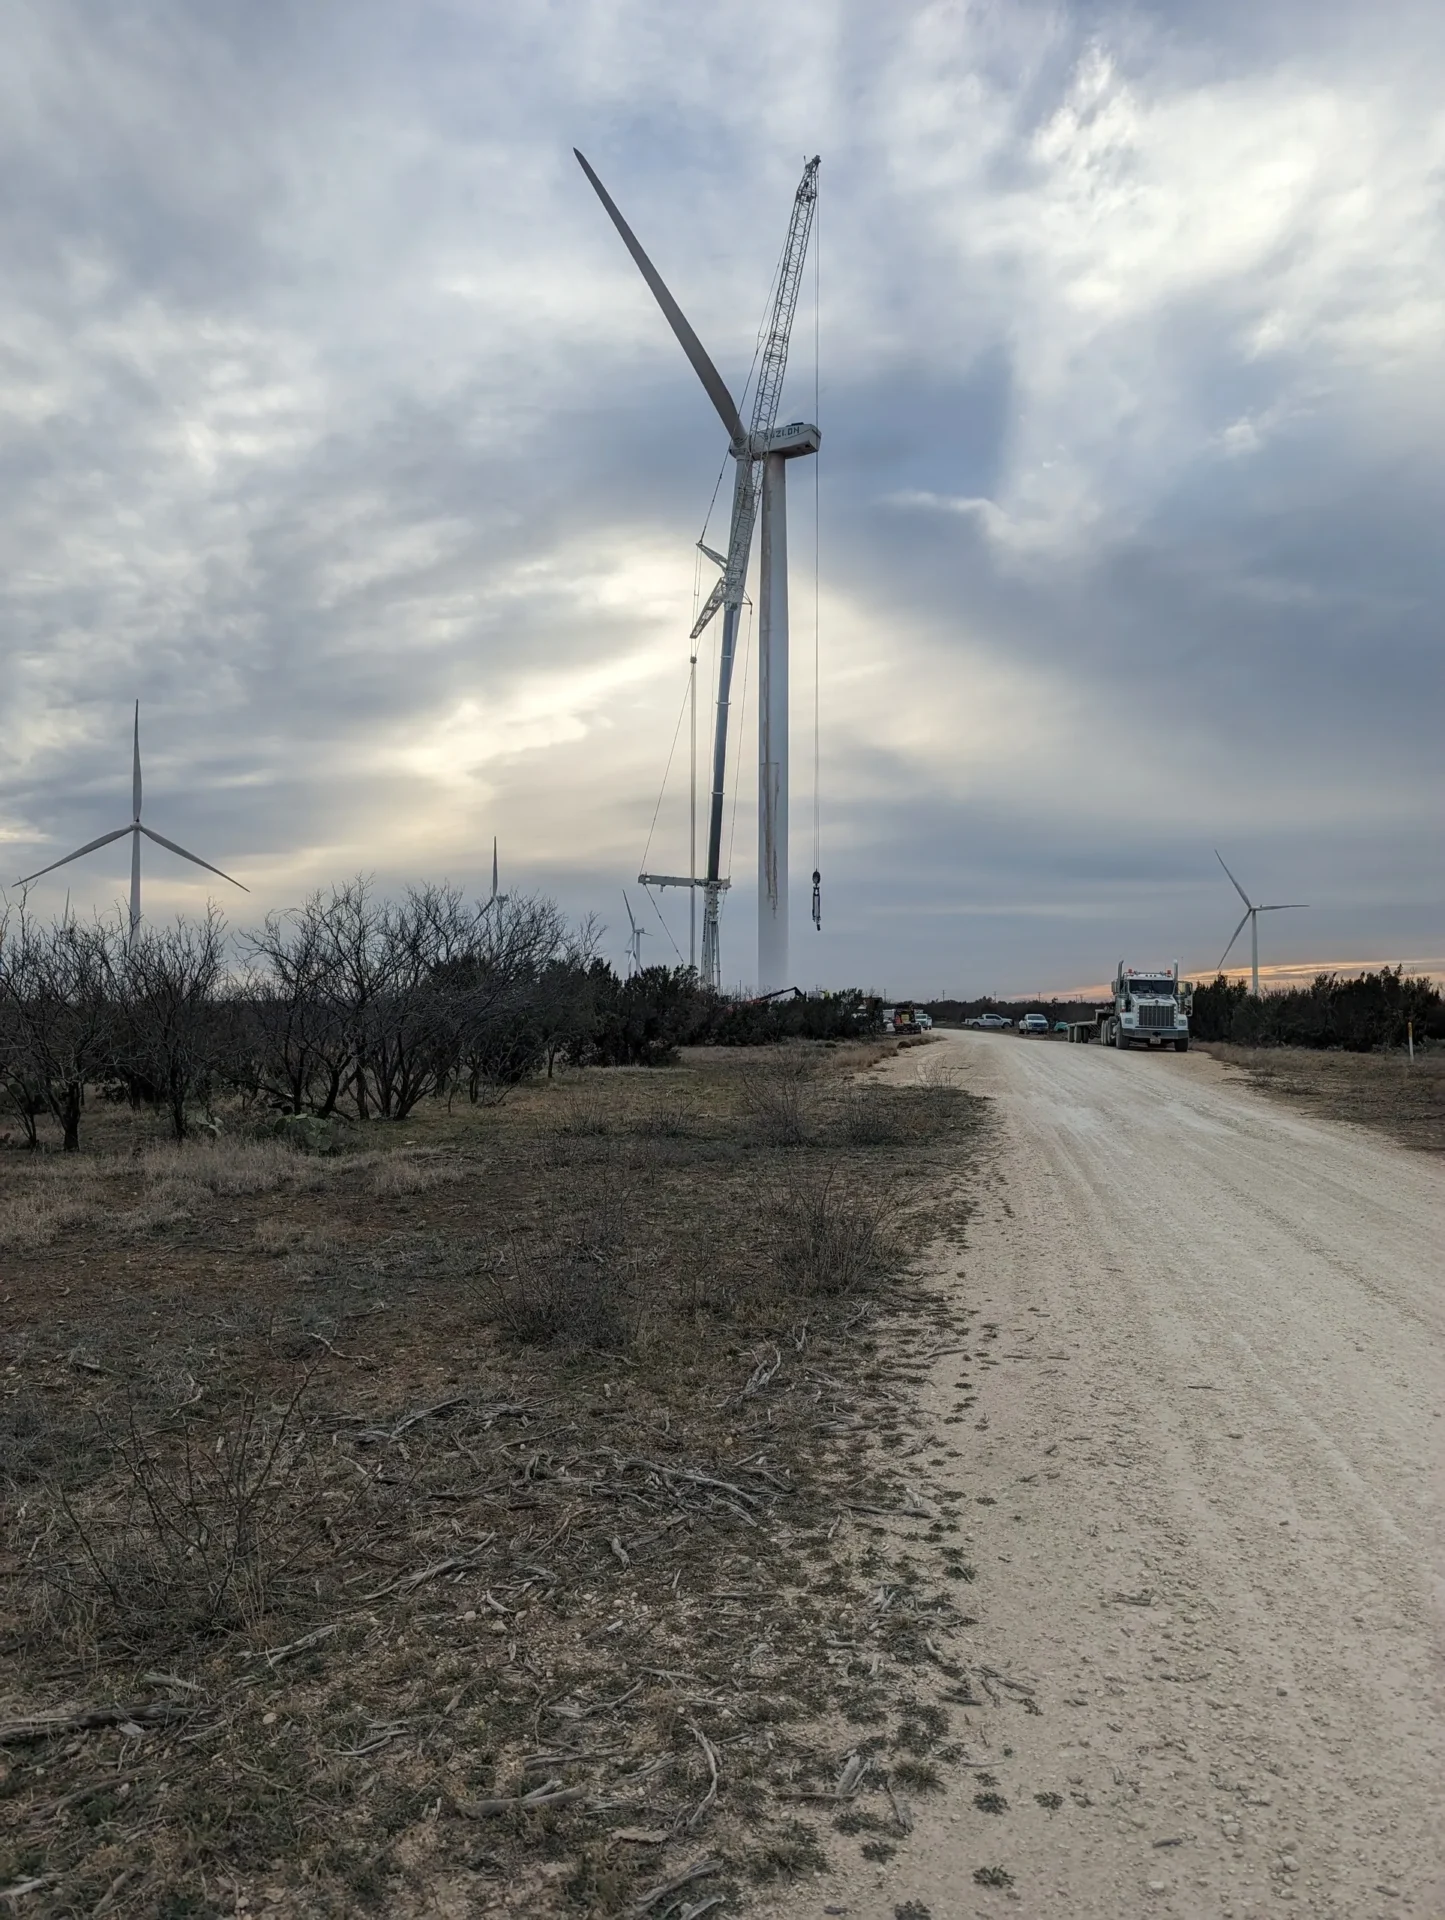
column 1251, row 914
column 497, row 899
column 135, row 830
column 634, row 944
column 760, row 454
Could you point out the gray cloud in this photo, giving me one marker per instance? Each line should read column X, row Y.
column 335, row 425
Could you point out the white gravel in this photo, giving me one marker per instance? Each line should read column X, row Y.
column 1211, row 1424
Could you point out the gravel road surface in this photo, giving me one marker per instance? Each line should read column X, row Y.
column 1204, row 1497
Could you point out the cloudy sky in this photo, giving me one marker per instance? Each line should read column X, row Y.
column 339, row 429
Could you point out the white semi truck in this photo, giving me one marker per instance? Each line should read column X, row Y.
column 1150, row 1008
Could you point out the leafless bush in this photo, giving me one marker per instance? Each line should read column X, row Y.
column 829, row 1238
column 583, row 1110
column 671, row 1119
column 39, row 1443
column 57, row 1016
column 190, row 1536
column 170, row 1030
column 775, row 1099
column 872, row 1116
column 579, row 1292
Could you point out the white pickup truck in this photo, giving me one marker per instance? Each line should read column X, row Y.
column 1150, row 1008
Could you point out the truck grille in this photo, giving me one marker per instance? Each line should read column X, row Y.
column 1156, row 1016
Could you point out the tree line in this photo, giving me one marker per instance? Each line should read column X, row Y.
column 1358, row 1015
column 350, row 1006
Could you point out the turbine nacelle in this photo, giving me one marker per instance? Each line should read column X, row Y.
column 789, row 442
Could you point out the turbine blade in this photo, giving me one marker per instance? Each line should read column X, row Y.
column 89, row 847
column 711, row 379
column 1237, row 931
column 135, row 770
column 1232, row 881
column 1283, row 906
column 161, row 841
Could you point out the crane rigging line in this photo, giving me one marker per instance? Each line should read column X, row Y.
column 817, row 568
column 665, row 772
column 663, row 924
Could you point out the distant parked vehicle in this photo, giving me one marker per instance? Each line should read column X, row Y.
column 989, row 1022
column 1061, row 1026
column 1034, row 1023
column 925, row 1021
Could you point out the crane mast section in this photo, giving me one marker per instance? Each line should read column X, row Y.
column 769, row 391
column 767, row 398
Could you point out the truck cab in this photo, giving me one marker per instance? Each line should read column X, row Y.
column 1150, row 1009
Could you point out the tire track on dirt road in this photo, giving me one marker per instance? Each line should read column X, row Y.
column 1205, row 1502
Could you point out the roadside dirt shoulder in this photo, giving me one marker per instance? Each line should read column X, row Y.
column 1202, row 1495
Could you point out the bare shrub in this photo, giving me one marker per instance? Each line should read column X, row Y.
column 170, row 1038
column 829, row 1238
column 584, row 1110
column 190, row 1537
column 873, row 1116
column 578, row 1293
column 670, row 1119
column 775, row 1102
column 39, row 1443
column 398, row 1174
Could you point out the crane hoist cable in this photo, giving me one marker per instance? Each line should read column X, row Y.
column 817, row 568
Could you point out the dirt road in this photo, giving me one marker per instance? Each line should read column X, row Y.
column 1204, row 1480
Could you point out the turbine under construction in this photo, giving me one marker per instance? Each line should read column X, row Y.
column 760, row 452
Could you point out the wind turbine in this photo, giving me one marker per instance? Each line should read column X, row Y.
column 497, row 899
column 1251, row 914
column 760, row 453
column 634, row 945
column 135, row 830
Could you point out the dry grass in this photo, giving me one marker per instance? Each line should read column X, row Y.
column 1385, row 1091
column 402, row 1174
column 829, row 1238
column 58, row 1197
column 366, row 1504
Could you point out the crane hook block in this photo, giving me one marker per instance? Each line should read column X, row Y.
column 817, row 900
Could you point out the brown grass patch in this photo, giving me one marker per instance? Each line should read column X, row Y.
column 394, row 1542
column 1385, row 1091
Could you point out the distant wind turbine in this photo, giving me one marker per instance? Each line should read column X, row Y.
column 634, row 945
column 497, row 899
column 135, row 830
column 1251, row 914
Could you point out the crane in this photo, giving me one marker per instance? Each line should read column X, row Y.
column 760, row 452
